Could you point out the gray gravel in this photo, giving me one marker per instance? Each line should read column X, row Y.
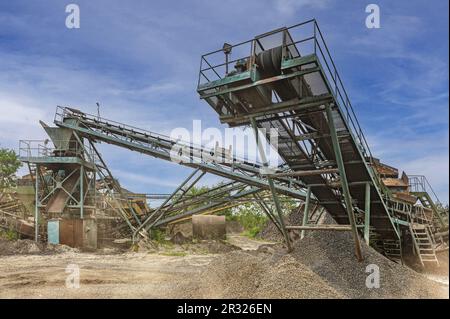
column 241, row 274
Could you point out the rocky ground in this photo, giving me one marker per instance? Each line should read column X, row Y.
column 321, row 266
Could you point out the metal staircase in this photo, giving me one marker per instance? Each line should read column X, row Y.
column 423, row 244
column 421, row 188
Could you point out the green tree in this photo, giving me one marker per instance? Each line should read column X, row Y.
column 9, row 164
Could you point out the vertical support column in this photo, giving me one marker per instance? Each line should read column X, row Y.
column 367, row 215
column 81, row 191
column 36, row 206
column 271, row 185
column 343, row 176
column 94, row 189
column 306, row 211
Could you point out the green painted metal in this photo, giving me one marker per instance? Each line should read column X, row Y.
column 272, row 186
column 306, row 211
column 344, row 183
column 62, row 138
column 209, row 167
column 367, row 215
column 179, row 188
column 36, row 206
column 428, row 202
column 306, row 103
column 299, row 61
column 57, row 160
column 250, row 75
column 260, row 82
column 81, row 202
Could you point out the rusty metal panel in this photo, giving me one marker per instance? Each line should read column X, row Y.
column 78, row 233
column 66, row 232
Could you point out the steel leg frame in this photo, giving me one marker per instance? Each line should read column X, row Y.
column 268, row 212
column 36, row 206
column 343, row 176
column 97, row 153
column 306, row 212
column 271, row 186
column 148, row 219
column 367, row 215
column 183, row 192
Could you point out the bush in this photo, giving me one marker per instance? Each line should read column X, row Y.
column 251, row 218
column 9, row 235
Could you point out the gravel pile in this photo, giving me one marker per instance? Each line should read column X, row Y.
column 242, row 274
column 30, row 247
column 322, row 265
column 331, row 256
column 271, row 232
column 16, row 247
column 180, row 244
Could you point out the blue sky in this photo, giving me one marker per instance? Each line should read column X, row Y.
column 140, row 60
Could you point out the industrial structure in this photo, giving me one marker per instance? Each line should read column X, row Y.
column 284, row 80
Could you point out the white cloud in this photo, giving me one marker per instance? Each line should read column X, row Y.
column 289, row 7
column 19, row 119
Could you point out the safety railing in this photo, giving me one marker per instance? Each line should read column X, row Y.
column 29, row 149
column 420, row 184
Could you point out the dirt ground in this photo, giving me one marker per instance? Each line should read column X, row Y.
column 129, row 275
column 38, row 273
column 238, row 268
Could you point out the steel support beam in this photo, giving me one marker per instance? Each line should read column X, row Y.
column 343, row 176
column 268, row 212
column 367, row 215
column 147, row 220
column 115, row 185
column 184, row 191
column 306, row 173
column 36, row 206
column 305, row 212
column 271, row 185
column 81, row 191
column 322, row 227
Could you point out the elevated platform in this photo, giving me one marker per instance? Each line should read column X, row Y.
column 291, row 84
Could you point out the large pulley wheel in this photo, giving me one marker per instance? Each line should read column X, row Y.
column 269, row 61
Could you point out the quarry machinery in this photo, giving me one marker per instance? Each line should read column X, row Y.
column 284, row 80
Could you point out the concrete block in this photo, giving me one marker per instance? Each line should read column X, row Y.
column 209, row 227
